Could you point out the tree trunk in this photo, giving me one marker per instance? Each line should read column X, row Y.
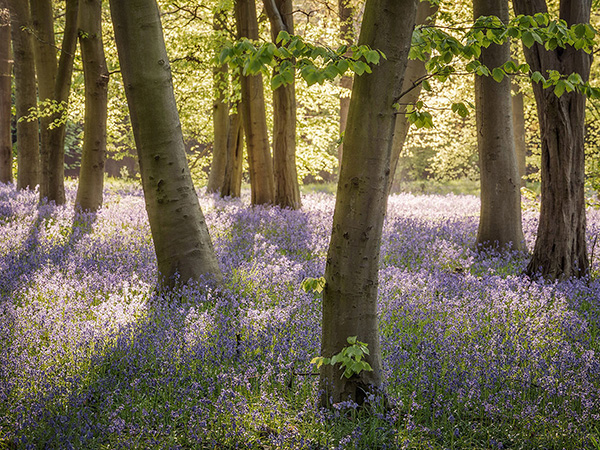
column 218, row 166
column 560, row 248
column 28, row 154
column 54, row 83
column 518, row 117
column 287, row 189
column 91, row 175
column 253, row 113
column 500, row 216
column 181, row 239
column 415, row 71
column 6, row 158
column 351, row 273
column 347, row 35
column 232, row 183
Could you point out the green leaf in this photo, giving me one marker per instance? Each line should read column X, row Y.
column 537, row 77
column 282, row 38
column 277, row 81
column 527, row 39
column 352, row 340
column 341, row 66
column 372, row 57
column 559, row 89
column 426, row 86
column 498, row 74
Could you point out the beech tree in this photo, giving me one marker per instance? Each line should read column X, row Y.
column 560, row 248
column 260, row 163
column 5, row 96
column 28, row 158
column 500, row 213
column 351, row 273
column 54, row 83
column 91, row 175
column 347, row 35
column 287, row 189
column 181, row 239
column 232, row 181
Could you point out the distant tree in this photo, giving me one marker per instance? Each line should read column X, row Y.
column 560, row 249
column 346, row 11
column 411, row 87
column 91, row 175
column 218, row 166
column 351, row 272
column 54, row 83
column 287, row 189
column 519, row 130
column 232, row 182
column 6, row 158
column 260, row 163
column 28, row 156
column 500, row 214
column 181, row 239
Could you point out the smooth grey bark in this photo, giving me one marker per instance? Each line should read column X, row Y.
column 560, row 249
column 518, row 116
column 500, row 213
column 218, row 166
column 54, row 84
column 411, row 87
column 287, row 189
column 347, row 35
column 95, row 72
column 351, row 272
column 28, row 154
column 260, row 164
column 232, row 182
column 6, row 158
column 181, row 239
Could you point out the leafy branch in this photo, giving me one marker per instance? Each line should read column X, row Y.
column 350, row 358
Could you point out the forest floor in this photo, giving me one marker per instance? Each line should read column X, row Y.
column 475, row 355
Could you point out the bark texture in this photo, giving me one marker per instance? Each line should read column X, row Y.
column 218, row 166
column 411, row 87
column 500, row 214
column 287, row 189
column 91, row 175
column 181, row 240
column 262, row 184
column 28, row 154
column 560, row 248
column 351, row 273
column 232, row 182
column 54, row 83
column 6, row 158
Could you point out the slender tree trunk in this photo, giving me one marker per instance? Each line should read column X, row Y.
column 351, row 272
column 287, row 189
column 181, row 239
column 500, row 217
column 411, row 86
column 54, row 83
column 28, row 154
column 232, row 182
column 560, row 248
column 216, row 177
column 518, row 116
column 254, row 116
column 91, row 175
column 347, row 35
column 6, row 158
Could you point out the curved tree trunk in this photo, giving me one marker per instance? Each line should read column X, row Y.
column 351, row 272
column 91, row 175
column 347, row 35
column 6, row 158
column 411, row 86
column 254, row 116
column 54, row 83
column 220, row 116
column 181, row 240
column 560, row 248
column 28, row 154
column 500, row 217
column 287, row 189
column 232, row 182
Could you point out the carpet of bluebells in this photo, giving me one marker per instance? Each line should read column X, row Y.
column 475, row 355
